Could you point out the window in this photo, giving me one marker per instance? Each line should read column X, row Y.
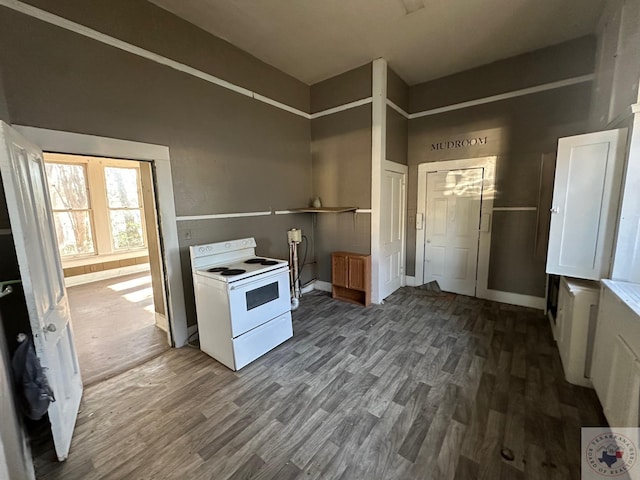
column 97, row 205
column 71, row 208
column 125, row 212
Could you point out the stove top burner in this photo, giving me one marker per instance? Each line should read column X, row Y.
column 233, row 271
column 218, row 269
column 255, row 260
column 261, row 261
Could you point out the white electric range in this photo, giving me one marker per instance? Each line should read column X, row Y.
column 243, row 302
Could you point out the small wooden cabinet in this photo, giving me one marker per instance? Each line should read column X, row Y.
column 351, row 277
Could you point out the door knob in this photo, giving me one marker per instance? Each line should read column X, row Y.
column 554, row 210
column 50, row 328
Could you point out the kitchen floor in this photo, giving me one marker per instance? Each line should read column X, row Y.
column 114, row 325
column 426, row 386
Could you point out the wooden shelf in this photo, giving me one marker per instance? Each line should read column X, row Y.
column 324, row 209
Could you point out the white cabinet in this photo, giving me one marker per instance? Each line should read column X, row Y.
column 586, row 194
column 575, row 327
column 615, row 368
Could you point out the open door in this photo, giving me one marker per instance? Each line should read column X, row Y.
column 392, row 216
column 23, row 176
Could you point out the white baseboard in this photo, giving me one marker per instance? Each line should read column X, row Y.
column 410, row 281
column 513, row 299
column 308, row 288
column 320, row 285
column 104, row 274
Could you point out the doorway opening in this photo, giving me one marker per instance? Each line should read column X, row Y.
column 106, row 225
column 455, row 199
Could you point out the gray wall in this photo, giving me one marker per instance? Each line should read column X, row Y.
column 546, row 65
column 229, row 153
column 4, row 108
column 347, row 87
column 618, row 65
column 397, row 124
column 341, row 165
column 519, row 132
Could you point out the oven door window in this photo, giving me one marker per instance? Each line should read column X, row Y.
column 262, row 295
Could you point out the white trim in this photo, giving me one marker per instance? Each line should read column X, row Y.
column 284, row 212
column 341, row 108
column 308, row 288
column 80, row 144
column 141, row 52
column 515, row 299
column 280, row 105
column 504, row 96
column 398, row 109
column 104, row 274
column 323, row 286
column 515, row 209
column 363, row 210
column 183, row 218
column 378, row 149
column 484, row 247
column 635, row 108
column 410, row 281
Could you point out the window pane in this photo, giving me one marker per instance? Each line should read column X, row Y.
column 126, row 229
column 122, row 187
column 67, row 186
column 73, row 230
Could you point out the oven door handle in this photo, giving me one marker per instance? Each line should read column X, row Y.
column 261, row 279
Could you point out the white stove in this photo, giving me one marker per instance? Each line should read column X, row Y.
column 243, row 301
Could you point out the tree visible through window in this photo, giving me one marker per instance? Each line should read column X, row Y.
column 71, row 209
column 125, row 213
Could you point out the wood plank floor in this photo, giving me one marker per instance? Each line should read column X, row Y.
column 114, row 325
column 426, row 386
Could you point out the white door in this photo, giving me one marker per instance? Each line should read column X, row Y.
column 452, row 229
column 392, row 231
column 23, row 176
column 586, row 193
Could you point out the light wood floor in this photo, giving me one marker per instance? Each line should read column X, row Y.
column 114, row 325
column 426, row 386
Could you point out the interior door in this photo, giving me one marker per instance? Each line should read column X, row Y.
column 586, row 194
column 392, row 231
column 452, row 229
column 23, row 176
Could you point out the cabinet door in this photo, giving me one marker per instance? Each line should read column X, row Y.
column 621, row 405
column 586, row 194
column 357, row 273
column 339, row 267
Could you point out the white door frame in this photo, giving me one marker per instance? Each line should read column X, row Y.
column 486, row 211
column 90, row 145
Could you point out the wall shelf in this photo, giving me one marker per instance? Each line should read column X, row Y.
column 324, row 209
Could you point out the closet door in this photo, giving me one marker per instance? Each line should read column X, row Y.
column 586, row 195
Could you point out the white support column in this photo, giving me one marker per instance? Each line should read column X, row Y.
column 378, row 154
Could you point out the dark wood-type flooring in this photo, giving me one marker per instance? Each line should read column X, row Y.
column 426, row 386
column 114, row 325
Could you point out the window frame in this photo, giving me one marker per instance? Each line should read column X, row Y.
column 89, row 210
column 95, row 177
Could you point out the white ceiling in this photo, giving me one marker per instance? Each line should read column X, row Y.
column 316, row 39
